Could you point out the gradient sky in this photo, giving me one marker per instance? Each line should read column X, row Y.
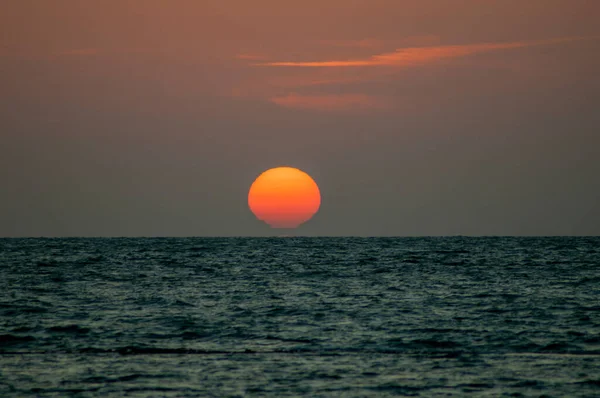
column 415, row 117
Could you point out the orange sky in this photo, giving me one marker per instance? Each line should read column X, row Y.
column 104, row 101
column 227, row 40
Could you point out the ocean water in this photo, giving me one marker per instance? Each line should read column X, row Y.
column 349, row 317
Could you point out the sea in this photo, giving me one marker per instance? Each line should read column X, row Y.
column 300, row 316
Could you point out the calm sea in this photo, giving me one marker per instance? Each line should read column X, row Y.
column 280, row 317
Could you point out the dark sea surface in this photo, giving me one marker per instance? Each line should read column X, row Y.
column 347, row 317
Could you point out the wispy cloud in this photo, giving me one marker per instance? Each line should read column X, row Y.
column 72, row 53
column 80, row 52
column 332, row 102
column 364, row 43
column 97, row 52
column 251, row 57
column 412, row 56
column 312, row 81
column 366, row 80
column 369, row 43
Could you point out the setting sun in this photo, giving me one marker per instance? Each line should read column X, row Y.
column 284, row 197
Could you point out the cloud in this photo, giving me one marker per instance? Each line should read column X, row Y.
column 364, row 43
column 92, row 52
column 311, row 81
column 252, row 57
column 332, row 102
column 422, row 40
column 80, row 51
column 412, row 56
column 73, row 53
column 367, row 80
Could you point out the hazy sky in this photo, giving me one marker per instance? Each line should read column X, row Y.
column 415, row 117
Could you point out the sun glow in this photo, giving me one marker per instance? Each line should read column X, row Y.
column 284, row 197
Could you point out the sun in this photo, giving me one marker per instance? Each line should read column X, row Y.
column 284, row 197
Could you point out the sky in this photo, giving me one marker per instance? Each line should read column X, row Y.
column 414, row 117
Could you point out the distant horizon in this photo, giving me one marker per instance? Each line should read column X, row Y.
column 295, row 236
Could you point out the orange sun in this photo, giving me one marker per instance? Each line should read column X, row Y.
column 284, row 197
